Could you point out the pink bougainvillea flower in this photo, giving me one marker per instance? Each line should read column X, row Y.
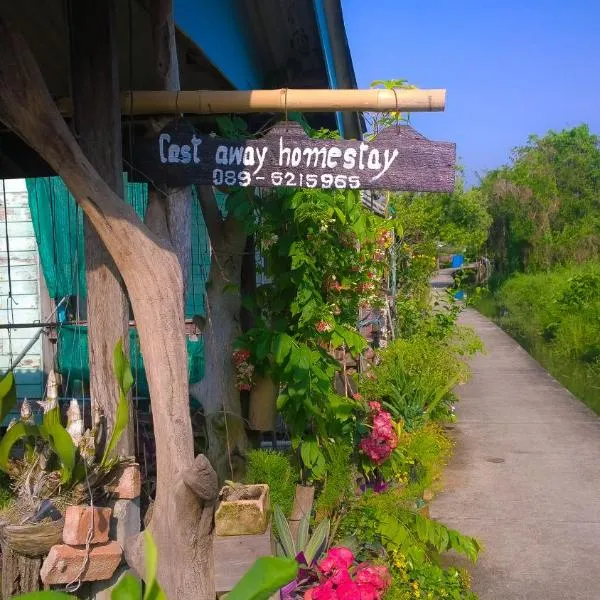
column 357, row 396
column 340, row 576
column 375, row 406
column 337, row 558
column 375, row 576
column 348, row 591
column 324, row 591
column 368, row 592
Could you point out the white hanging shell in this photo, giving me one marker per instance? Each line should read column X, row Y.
column 74, row 422
column 52, row 386
column 26, row 414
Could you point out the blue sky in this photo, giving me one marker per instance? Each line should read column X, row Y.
column 511, row 67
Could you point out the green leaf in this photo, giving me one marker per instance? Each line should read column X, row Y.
column 128, row 588
column 283, row 531
column 124, row 381
column 8, row 395
column 60, row 442
column 267, row 575
column 121, row 420
column 302, row 535
column 317, row 542
column 11, row 437
column 282, row 400
column 153, row 589
column 282, row 346
column 313, row 457
column 121, row 367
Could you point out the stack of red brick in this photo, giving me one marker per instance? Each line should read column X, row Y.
column 65, row 561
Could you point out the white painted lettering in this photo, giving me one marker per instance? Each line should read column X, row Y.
column 387, row 162
column 186, row 154
column 174, row 153
column 373, row 161
column 362, row 149
column 163, row 138
column 333, row 153
column 195, row 143
column 221, row 156
column 261, row 158
column 350, row 158
column 315, row 153
column 249, row 156
column 235, row 154
column 296, row 157
column 284, row 151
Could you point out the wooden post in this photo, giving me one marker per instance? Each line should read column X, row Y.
column 303, row 503
column 97, row 117
column 182, row 520
column 169, row 210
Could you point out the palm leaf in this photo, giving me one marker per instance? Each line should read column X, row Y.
column 283, row 531
column 8, row 395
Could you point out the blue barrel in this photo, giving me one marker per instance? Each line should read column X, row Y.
column 457, row 261
column 459, row 295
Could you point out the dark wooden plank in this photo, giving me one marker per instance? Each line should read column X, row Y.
column 399, row 159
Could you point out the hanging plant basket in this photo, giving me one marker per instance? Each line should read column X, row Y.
column 34, row 539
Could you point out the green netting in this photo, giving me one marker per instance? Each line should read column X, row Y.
column 58, row 226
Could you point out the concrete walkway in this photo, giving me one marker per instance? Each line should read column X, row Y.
column 525, row 478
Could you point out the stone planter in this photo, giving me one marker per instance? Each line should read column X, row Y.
column 243, row 510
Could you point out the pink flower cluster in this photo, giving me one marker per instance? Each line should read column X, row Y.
column 323, row 326
column 383, row 439
column 341, row 582
column 244, row 370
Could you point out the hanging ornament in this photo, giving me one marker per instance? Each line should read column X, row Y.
column 26, row 414
column 74, row 422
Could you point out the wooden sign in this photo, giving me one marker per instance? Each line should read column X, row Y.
column 398, row 159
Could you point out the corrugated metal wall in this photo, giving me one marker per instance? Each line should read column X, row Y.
column 19, row 273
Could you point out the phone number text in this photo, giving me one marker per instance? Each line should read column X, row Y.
column 285, row 179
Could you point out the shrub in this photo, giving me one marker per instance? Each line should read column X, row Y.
column 275, row 469
column 556, row 316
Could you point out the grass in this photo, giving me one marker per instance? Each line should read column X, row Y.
column 555, row 316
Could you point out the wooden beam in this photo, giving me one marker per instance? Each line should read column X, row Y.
column 97, row 121
column 207, row 102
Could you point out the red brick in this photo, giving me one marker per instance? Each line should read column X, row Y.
column 63, row 563
column 79, row 520
column 127, row 484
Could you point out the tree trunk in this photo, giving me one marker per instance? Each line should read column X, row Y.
column 97, row 119
column 186, row 488
column 217, row 392
column 169, row 210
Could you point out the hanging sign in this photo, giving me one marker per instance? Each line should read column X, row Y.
column 399, row 158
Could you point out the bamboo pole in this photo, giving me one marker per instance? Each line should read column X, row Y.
column 206, row 102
